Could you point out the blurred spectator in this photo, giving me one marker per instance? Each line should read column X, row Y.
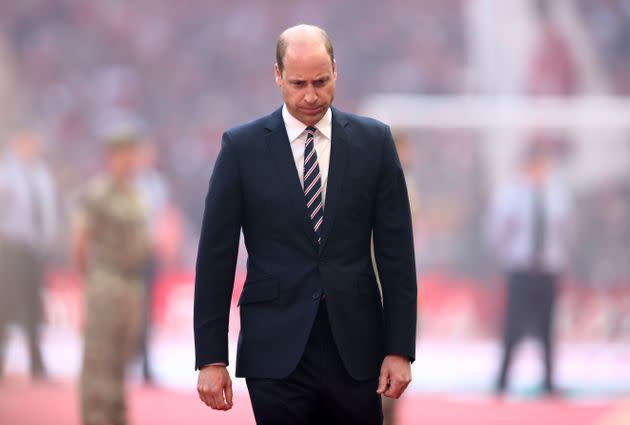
column 174, row 63
column 528, row 228
column 608, row 22
column 153, row 188
column 110, row 247
column 28, row 225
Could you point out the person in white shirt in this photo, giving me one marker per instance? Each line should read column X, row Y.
column 154, row 190
column 529, row 231
column 28, row 226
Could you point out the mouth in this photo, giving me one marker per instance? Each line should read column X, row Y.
column 313, row 110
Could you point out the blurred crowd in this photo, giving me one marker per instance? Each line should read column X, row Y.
column 608, row 22
column 191, row 69
column 184, row 71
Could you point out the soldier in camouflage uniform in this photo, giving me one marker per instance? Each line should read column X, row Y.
column 111, row 248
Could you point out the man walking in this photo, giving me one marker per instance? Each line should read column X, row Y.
column 308, row 185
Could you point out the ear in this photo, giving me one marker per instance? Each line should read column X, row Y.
column 278, row 75
column 334, row 67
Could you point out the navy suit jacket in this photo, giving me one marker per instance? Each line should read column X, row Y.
column 255, row 187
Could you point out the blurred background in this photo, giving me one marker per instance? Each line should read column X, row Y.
column 466, row 85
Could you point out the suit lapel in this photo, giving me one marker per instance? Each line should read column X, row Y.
column 336, row 173
column 278, row 144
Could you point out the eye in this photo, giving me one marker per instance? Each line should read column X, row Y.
column 298, row 83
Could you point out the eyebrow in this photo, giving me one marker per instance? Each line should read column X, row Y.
column 299, row 80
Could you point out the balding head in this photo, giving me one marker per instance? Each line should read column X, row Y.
column 306, row 72
column 302, row 35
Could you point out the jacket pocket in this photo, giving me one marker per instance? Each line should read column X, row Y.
column 259, row 291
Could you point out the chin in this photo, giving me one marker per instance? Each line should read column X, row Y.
column 312, row 118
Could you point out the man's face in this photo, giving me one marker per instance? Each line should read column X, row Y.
column 537, row 170
column 307, row 81
column 123, row 162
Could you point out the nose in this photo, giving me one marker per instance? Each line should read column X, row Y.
column 310, row 96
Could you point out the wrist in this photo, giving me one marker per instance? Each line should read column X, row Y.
column 400, row 356
column 218, row 364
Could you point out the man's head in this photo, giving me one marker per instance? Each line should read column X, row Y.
column 535, row 163
column 306, row 72
column 122, row 145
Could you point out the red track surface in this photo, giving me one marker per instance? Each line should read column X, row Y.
column 55, row 403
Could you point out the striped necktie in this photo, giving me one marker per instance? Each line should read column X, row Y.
column 313, row 184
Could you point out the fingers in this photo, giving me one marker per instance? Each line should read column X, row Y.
column 395, row 389
column 222, row 397
column 397, row 371
column 215, row 389
column 383, row 382
column 218, row 402
column 397, row 385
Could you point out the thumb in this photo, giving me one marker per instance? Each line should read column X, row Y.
column 382, row 382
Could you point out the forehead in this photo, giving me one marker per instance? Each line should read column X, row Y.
column 307, row 60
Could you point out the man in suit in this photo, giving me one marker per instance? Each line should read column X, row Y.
column 28, row 231
column 529, row 229
column 308, row 185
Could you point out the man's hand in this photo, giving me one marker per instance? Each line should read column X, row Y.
column 395, row 376
column 215, row 387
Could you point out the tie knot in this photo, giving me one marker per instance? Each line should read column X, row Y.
column 310, row 131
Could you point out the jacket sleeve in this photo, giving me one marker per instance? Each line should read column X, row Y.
column 394, row 253
column 216, row 258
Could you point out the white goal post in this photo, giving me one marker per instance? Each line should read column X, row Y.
column 599, row 127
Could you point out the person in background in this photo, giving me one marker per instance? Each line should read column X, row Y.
column 152, row 186
column 110, row 249
column 528, row 229
column 28, row 227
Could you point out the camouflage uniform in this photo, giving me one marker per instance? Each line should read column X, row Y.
column 116, row 221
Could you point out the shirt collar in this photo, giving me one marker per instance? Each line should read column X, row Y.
column 295, row 127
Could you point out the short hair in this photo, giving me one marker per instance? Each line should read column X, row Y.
column 283, row 43
column 123, row 133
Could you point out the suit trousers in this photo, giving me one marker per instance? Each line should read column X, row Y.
column 319, row 390
column 21, row 283
column 150, row 275
column 531, row 296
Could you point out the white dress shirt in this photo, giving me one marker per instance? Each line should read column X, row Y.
column 296, row 131
column 21, row 185
column 511, row 220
